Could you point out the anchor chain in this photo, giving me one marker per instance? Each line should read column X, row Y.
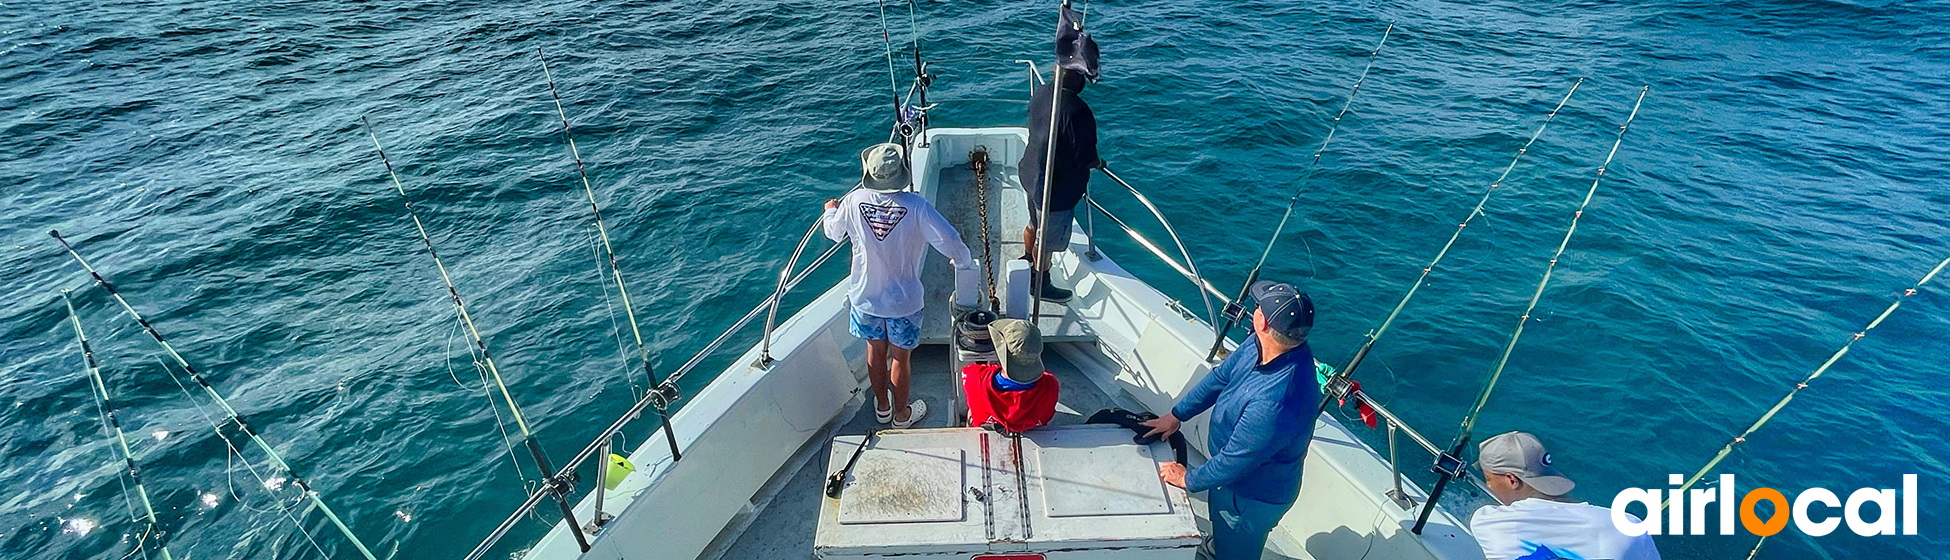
column 978, row 159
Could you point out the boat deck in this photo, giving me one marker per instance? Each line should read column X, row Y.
column 785, row 515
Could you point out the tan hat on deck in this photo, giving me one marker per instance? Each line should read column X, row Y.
column 1019, row 345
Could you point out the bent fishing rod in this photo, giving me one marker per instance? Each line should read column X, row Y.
column 555, row 483
column 1336, row 381
column 277, row 460
column 616, row 271
column 1450, row 465
column 1236, row 310
column 113, row 424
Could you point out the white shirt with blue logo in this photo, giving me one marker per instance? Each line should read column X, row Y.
column 1539, row 529
column 891, row 232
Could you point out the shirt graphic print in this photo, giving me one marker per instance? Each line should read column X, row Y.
column 881, row 218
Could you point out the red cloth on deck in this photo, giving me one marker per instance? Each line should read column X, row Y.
column 1015, row 411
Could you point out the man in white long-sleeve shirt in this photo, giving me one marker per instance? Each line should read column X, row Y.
column 891, row 229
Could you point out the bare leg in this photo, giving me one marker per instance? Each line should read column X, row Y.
column 900, row 375
column 1029, row 244
column 877, row 372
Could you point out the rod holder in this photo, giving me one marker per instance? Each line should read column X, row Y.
column 1449, row 466
column 1396, row 494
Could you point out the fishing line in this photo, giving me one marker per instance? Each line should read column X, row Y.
column 231, row 450
column 1830, row 362
column 557, row 485
column 1450, row 464
column 616, row 270
column 485, row 394
column 615, row 330
column 1367, row 345
column 1235, row 311
column 276, row 459
column 113, row 425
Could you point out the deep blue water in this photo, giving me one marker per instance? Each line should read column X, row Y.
column 1783, row 183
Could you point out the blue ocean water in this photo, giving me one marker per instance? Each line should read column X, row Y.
column 1782, row 184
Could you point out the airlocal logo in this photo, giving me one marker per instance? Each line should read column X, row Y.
column 1692, row 505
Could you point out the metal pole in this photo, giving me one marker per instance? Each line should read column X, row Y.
column 1090, row 232
column 1040, row 275
column 596, row 518
column 778, row 294
column 1395, row 469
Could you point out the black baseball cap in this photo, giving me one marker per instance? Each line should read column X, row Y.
column 1288, row 310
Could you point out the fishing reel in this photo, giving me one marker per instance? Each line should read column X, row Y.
column 664, row 395
column 1450, row 465
column 1338, row 387
column 561, row 485
column 1233, row 312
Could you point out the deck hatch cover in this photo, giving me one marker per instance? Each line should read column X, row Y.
column 905, row 486
column 1101, row 481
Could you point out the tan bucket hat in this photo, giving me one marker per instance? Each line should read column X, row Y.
column 1019, row 345
column 883, row 167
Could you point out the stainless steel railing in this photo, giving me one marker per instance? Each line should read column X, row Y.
column 1394, row 424
column 778, row 294
column 1171, row 231
column 1156, row 251
column 662, row 396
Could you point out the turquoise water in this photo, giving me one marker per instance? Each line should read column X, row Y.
column 1782, row 184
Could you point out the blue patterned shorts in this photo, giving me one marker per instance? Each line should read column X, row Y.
column 904, row 332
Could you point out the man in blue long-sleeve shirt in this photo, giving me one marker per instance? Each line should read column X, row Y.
column 1263, row 400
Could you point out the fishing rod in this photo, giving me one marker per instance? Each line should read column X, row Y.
column 1236, row 310
column 277, row 460
column 1805, row 382
column 893, row 85
column 616, row 271
column 1830, row 362
column 113, row 424
column 556, row 483
column 1450, row 465
column 1347, row 371
column 918, row 94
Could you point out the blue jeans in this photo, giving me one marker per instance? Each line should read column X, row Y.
column 1240, row 524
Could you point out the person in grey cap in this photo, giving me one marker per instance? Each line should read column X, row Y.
column 1263, row 399
column 1537, row 520
column 891, row 228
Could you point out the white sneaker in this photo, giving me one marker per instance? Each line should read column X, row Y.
column 883, row 416
column 915, row 412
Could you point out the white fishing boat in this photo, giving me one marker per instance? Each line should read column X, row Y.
column 755, row 442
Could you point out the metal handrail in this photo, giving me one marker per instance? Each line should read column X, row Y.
column 1160, row 253
column 778, row 294
column 660, row 395
column 1395, row 422
column 1171, row 231
column 1035, row 75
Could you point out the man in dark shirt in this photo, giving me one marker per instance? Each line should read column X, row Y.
column 1076, row 149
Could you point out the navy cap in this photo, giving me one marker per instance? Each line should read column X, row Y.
column 1288, row 311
